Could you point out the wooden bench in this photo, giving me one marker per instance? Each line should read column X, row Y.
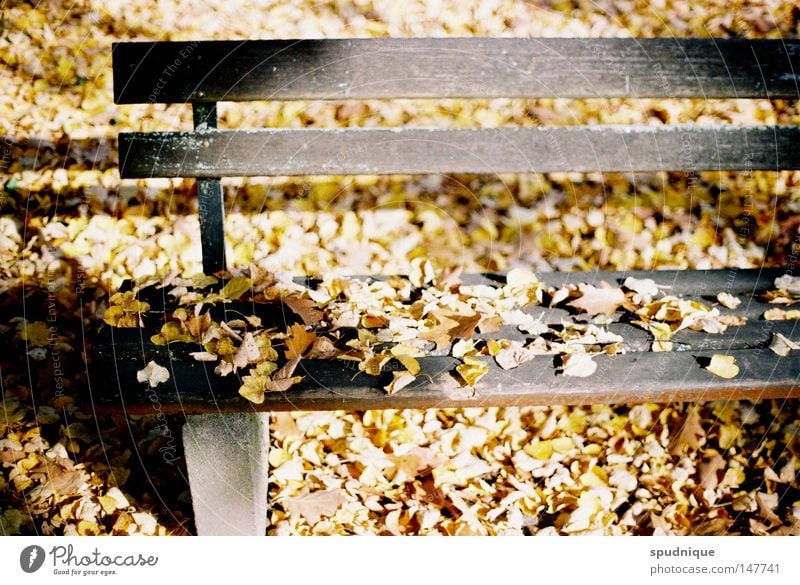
column 205, row 73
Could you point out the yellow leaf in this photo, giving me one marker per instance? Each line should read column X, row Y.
column 472, row 370
column 172, row 332
column 407, row 356
column 36, row 334
column 374, row 364
column 541, row 450
column 124, row 310
column 254, row 385
column 563, row 445
column 235, row 288
column 723, row 366
column 203, row 280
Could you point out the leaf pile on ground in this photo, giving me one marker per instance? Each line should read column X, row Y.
column 71, row 232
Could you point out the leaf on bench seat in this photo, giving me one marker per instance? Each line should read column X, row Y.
column 599, row 301
column 153, row 374
column 723, row 366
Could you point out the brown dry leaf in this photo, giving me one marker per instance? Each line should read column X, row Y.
column 248, row 352
column 451, row 326
column 781, row 345
column 305, row 308
column 323, row 349
column 598, row 301
column 490, row 324
column 766, row 506
column 314, row 505
column 723, row 366
column 282, row 380
column 709, row 468
column 691, row 434
column 298, row 341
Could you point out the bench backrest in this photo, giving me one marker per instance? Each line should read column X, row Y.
column 204, row 73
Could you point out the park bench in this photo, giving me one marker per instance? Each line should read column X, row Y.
column 225, row 436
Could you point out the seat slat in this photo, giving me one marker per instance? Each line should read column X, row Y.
column 640, row 375
column 332, row 385
column 371, row 151
column 169, row 72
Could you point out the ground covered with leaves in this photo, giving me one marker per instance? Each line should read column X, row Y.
column 71, row 232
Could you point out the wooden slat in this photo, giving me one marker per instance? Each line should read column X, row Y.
column 456, row 67
column 373, row 151
column 638, row 376
column 630, row 378
column 693, row 283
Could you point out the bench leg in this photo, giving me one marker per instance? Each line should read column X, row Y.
column 226, row 456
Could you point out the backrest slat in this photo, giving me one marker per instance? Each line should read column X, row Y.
column 242, row 153
column 170, row 72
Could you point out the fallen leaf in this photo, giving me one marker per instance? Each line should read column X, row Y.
column 580, row 365
column 781, row 345
column 125, row 310
column 708, row 470
column 421, row 272
column 247, row 353
column 644, row 286
column 399, row 381
column 690, row 434
column 788, row 283
column 298, row 341
column 36, row 334
column 282, row 380
column 723, row 366
column 235, row 288
column 728, row 300
column 305, row 308
column 514, row 356
column 313, row 506
column 472, row 370
column 254, row 384
column 153, row 374
column 323, row 349
column 596, row 301
column 407, row 356
column 781, row 315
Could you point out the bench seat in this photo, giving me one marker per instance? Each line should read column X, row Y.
column 638, row 375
